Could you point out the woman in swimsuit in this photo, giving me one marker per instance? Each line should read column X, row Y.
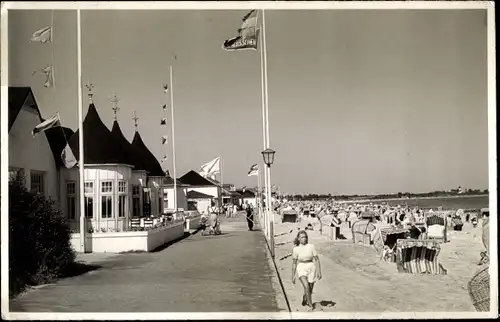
column 306, row 266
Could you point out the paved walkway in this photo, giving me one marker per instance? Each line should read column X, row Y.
column 226, row 273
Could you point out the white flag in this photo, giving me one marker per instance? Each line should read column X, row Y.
column 254, row 170
column 211, row 168
column 53, row 121
column 49, row 76
column 68, row 157
column 43, row 35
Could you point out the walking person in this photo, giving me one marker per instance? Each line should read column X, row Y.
column 305, row 265
column 249, row 212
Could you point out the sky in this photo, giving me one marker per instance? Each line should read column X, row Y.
column 360, row 101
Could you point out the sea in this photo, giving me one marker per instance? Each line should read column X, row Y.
column 455, row 202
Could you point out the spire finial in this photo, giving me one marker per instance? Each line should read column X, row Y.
column 90, row 94
column 135, row 118
column 115, row 107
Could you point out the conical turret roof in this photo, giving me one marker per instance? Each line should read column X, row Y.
column 148, row 159
column 100, row 146
column 128, row 151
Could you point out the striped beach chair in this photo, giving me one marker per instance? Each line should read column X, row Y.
column 418, row 257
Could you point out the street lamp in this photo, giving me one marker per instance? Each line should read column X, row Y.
column 268, row 155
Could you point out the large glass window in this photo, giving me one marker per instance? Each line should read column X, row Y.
column 17, row 173
column 89, row 207
column 89, row 199
column 107, row 206
column 107, row 199
column 37, row 181
column 71, row 199
column 136, row 201
column 122, row 198
column 122, row 203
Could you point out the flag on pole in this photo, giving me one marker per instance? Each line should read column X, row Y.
column 164, row 139
column 254, row 170
column 53, row 121
column 164, row 159
column 164, row 107
column 165, row 88
column 163, row 121
column 248, row 34
column 43, row 35
column 68, row 157
column 211, row 168
column 49, row 75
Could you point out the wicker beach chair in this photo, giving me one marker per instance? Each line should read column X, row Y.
column 361, row 230
column 436, row 218
column 479, row 289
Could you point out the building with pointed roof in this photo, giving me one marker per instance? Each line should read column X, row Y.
column 33, row 158
column 122, row 179
column 153, row 198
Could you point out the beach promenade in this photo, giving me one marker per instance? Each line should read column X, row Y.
column 231, row 272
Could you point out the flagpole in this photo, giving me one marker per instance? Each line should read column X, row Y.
column 173, row 137
column 262, row 72
column 80, row 137
column 268, row 168
column 52, row 40
column 222, row 186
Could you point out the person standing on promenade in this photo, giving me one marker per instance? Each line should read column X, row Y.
column 305, row 265
column 249, row 211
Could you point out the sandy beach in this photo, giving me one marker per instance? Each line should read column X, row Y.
column 355, row 279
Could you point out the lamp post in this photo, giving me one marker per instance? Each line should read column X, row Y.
column 268, row 155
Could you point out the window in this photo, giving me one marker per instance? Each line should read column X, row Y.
column 89, row 207
column 16, row 173
column 71, row 199
column 136, row 201
column 89, row 199
column 106, row 206
column 122, row 198
column 37, row 182
column 146, row 205
column 122, row 186
column 107, row 199
column 89, row 187
column 107, row 186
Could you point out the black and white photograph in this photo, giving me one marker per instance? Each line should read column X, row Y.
column 263, row 160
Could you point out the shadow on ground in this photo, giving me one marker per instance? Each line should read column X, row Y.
column 78, row 268
column 327, row 303
column 167, row 245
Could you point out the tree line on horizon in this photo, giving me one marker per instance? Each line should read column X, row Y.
column 442, row 193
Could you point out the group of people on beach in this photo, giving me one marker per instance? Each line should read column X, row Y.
column 305, row 261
